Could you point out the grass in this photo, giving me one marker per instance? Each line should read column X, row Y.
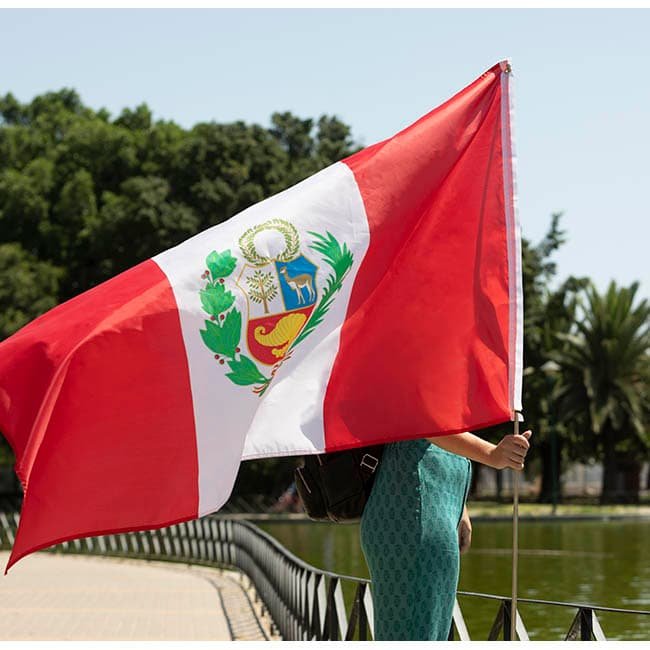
column 494, row 509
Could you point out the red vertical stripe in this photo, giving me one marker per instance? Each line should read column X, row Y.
column 95, row 399
column 424, row 348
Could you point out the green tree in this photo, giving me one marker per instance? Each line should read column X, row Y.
column 25, row 204
column 334, row 140
column 306, row 151
column 294, row 136
column 548, row 311
column 605, row 376
column 135, row 223
column 139, row 119
column 262, row 288
column 28, row 287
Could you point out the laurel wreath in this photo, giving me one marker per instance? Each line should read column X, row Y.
column 222, row 333
column 286, row 229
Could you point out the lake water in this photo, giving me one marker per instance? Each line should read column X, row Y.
column 593, row 562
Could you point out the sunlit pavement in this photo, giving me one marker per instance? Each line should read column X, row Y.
column 62, row 597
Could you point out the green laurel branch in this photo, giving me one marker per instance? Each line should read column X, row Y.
column 222, row 332
column 340, row 258
column 244, row 372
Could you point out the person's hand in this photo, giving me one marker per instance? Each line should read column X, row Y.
column 511, row 451
column 464, row 532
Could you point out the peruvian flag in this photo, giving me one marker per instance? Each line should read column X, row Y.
column 378, row 300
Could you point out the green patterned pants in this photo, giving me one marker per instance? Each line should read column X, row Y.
column 410, row 541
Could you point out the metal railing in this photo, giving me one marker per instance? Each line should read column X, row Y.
column 304, row 602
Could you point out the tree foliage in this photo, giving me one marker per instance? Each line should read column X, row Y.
column 585, row 384
column 558, row 439
column 604, row 364
column 89, row 196
column 28, row 287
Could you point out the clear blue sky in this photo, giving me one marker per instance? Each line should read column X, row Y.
column 582, row 114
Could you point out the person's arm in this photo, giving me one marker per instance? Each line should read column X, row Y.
column 464, row 531
column 510, row 452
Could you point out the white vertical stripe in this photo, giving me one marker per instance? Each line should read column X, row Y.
column 292, row 408
column 232, row 422
column 516, row 319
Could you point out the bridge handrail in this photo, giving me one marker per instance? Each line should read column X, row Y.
column 557, row 603
column 294, row 558
column 304, row 602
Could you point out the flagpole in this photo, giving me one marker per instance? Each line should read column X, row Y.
column 515, row 540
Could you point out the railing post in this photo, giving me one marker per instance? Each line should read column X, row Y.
column 145, row 547
column 336, row 623
column 320, row 608
column 458, row 624
column 8, row 528
column 369, row 609
column 500, row 622
column 330, row 620
column 586, row 626
column 507, row 618
column 358, row 618
column 363, row 614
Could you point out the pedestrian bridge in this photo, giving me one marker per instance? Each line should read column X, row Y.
column 208, row 579
column 48, row 596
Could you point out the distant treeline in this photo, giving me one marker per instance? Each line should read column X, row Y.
column 84, row 195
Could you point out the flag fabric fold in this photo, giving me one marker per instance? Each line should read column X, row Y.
column 377, row 300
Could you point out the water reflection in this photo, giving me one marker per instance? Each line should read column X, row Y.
column 597, row 562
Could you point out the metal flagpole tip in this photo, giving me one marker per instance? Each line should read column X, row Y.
column 506, row 67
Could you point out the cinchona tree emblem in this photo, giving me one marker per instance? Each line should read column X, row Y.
column 284, row 302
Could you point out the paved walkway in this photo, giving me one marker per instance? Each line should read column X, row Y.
column 65, row 597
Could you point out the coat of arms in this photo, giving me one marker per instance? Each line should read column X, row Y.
column 284, row 303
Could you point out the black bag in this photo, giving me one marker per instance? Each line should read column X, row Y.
column 336, row 486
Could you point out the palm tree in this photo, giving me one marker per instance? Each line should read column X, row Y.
column 605, row 373
column 547, row 311
column 557, row 441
